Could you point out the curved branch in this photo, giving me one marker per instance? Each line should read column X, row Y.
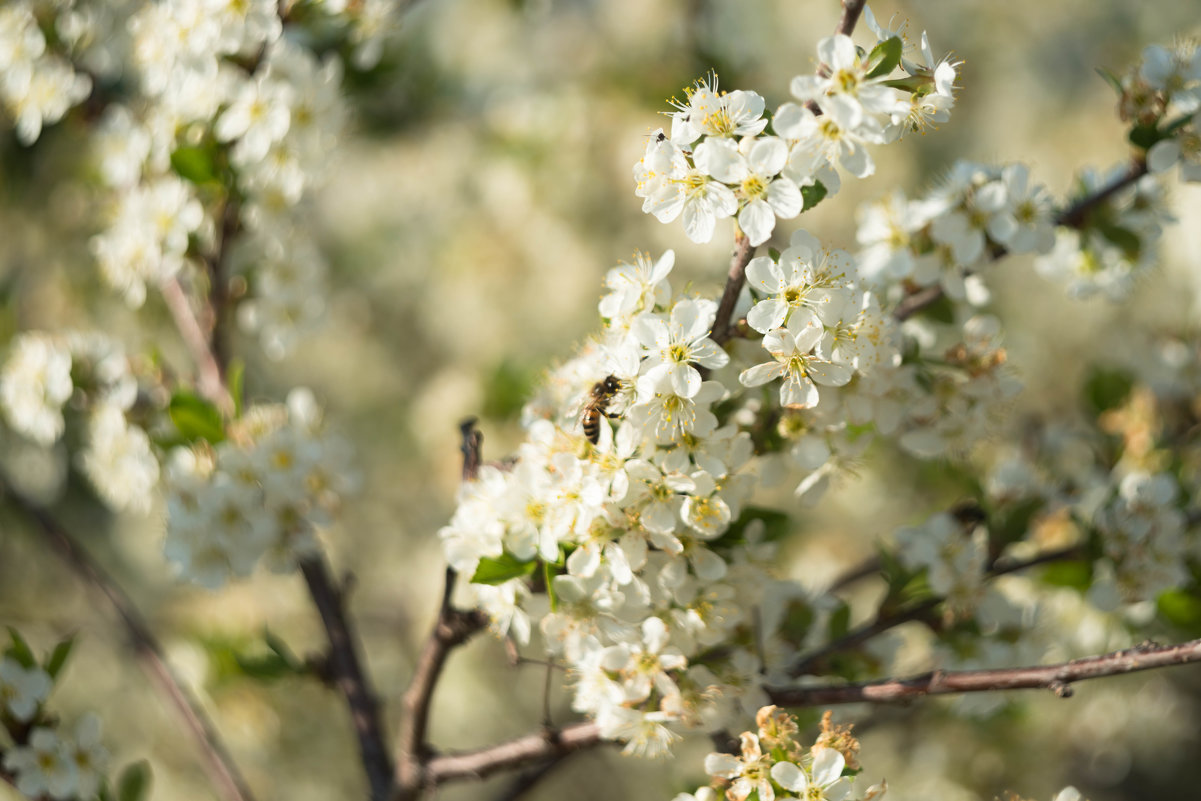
column 218, row 763
column 1057, row 678
column 513, row 753
column 452, row 628
column 851, row 9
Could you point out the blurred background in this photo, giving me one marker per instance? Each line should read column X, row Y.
column 484, row 189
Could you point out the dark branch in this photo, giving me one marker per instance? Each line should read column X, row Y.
column 723, row 325
column 218, row 763
column 851, row 9
column 452, row 628
column 1057, row 678
column 346, row 671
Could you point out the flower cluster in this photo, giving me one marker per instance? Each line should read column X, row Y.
column 717, row 161
column 225, row 97
column 772, row 764
column 1161, row 96
column 976, row 213
column 37, row 85
column 41, row 760
column 1118, row 247
column 43, row 372
column 257, row 496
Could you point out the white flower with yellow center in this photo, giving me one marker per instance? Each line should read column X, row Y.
column 795, row 362
column 753, row 167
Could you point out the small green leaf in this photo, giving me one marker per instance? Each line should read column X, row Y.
column 20, row 650
column 1106, row 389
column 1077, row 575
column 195, row 418
column 265, row 667
column 1144, row 136
column 1126, row 240
column 134, row 783
column 501, row 569
column 884, row 57
column 58, row 657
column 1112, row 80
column 812, row 195
column 1180, row 608
column 237, row 389
column 194, row 164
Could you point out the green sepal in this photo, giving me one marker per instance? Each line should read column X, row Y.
column 237, row 385
column 812, row 195
column 505, row 567
column 884, row 57
column 20, row 651
column 195, row 164
column 134, row 784
column 1180, row 608
column 196, row 418
column 1112, row 80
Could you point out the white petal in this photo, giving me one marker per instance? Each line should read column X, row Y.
column 767, row 314
column 685, row 380
column 757, row 221
column 829, row 374
column 764, row 275
column 788, row 776
column 761, row 374
column 827, row 766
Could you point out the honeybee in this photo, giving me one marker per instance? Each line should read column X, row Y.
column 599, row 399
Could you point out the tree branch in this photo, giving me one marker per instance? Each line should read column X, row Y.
column 217, row 761
column 210, row 378
column 1057, row 678
column 348, row 676
column 452, row 628
column 514, row 753
column 851, row 9
column 723, row 325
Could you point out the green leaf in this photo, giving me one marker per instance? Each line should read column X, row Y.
column 194, row 164
column 237, row 388
column 1107, row 388
column 134, row 783
column 812, row 195
column 1078, row 575
column 884, row 57
column 20, row 650
column 501, row 569
column 195, row 418
column 58, row 657
column 1180, row 608
column 941, row 310
column 264, row 667
column 1126, row 240
column 507, row 388
column 1144, row 136
column 1112, row 80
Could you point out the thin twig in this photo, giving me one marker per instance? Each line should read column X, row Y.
column 1057, row 678
column 452, row 628
column 869, row 567
column 919, row 611
column 346, row 670
column 218, row 271
column 218, row 763
column 851, row 9
column 513, row 753
column 1074, row 216
column 723, row 324
column 210, row 374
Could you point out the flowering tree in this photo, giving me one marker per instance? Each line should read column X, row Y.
column 634, row 539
